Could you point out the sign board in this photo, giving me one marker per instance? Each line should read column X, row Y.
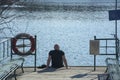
column 94, row 47
column 114, row 15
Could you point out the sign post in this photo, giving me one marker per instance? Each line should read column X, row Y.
column 94, row 50
column 115, row 15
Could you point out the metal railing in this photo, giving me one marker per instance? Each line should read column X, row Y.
column 107, row 44
column 4, row 48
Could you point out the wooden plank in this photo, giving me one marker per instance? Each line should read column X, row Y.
column 73, row 73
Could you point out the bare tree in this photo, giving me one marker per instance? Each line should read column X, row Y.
column 5, row 18
column 5, row 5
column 7, row 14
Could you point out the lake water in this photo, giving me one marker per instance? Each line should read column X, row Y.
column 71, row 29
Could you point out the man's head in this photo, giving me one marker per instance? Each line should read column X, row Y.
column 56, row 47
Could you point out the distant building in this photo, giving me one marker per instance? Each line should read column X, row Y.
column 67, row 1
column 7, row 2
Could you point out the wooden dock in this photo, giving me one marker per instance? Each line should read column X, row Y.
column 73, row 73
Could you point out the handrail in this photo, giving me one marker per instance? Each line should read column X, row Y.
column 5, row 48
column 1, row 41
column 105, row 39
column 107, row 46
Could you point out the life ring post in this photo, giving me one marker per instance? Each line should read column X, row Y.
column 24, row 36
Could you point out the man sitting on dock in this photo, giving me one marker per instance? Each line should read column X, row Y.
column 57, row 57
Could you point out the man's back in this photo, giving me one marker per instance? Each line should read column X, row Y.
column 56, row 56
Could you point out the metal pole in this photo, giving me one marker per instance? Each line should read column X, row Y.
column 35, row 54
column 3, row 49
column 94, row 57
column 94, row 62
column 106, row 47
column 116, row 33
column 116, row 5
column 7, row 48
column 11, row 54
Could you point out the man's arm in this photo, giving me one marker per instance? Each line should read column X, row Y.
column 65, row 61
column 48, row 61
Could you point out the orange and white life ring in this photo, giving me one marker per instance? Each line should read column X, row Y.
column 23, row 36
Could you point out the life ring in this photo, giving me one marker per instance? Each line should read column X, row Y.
column 23, row 36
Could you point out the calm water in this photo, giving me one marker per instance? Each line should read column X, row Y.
column 71, row 29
